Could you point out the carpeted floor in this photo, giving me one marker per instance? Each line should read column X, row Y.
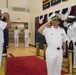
column 27, row 65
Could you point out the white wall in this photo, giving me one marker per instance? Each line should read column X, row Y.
column 18, row 3
column 3, row 3
column 36, row 10
column 23, row 15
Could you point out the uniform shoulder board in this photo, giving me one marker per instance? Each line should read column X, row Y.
column 48, row 26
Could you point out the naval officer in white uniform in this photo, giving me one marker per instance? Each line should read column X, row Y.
column 26, row 36
column 71, row 32
column 55, row 38
column 3, row 25
column 16, row 36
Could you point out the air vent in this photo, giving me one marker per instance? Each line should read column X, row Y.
column 18, row 9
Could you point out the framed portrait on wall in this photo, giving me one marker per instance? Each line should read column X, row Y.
column 45, row 4
column 54, row 2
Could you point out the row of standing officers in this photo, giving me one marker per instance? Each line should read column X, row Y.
column 27, row 34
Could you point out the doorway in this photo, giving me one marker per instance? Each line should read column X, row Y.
column 11, row 32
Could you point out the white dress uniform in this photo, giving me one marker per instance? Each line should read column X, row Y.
column 54, row 53
column 16, row 37
column 71, row 32
column 26, row 37
column 2, row 27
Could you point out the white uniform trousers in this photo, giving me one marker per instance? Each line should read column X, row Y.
column 54, row 59
column 16, row 40
column 26, row 41
column 1, row 51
